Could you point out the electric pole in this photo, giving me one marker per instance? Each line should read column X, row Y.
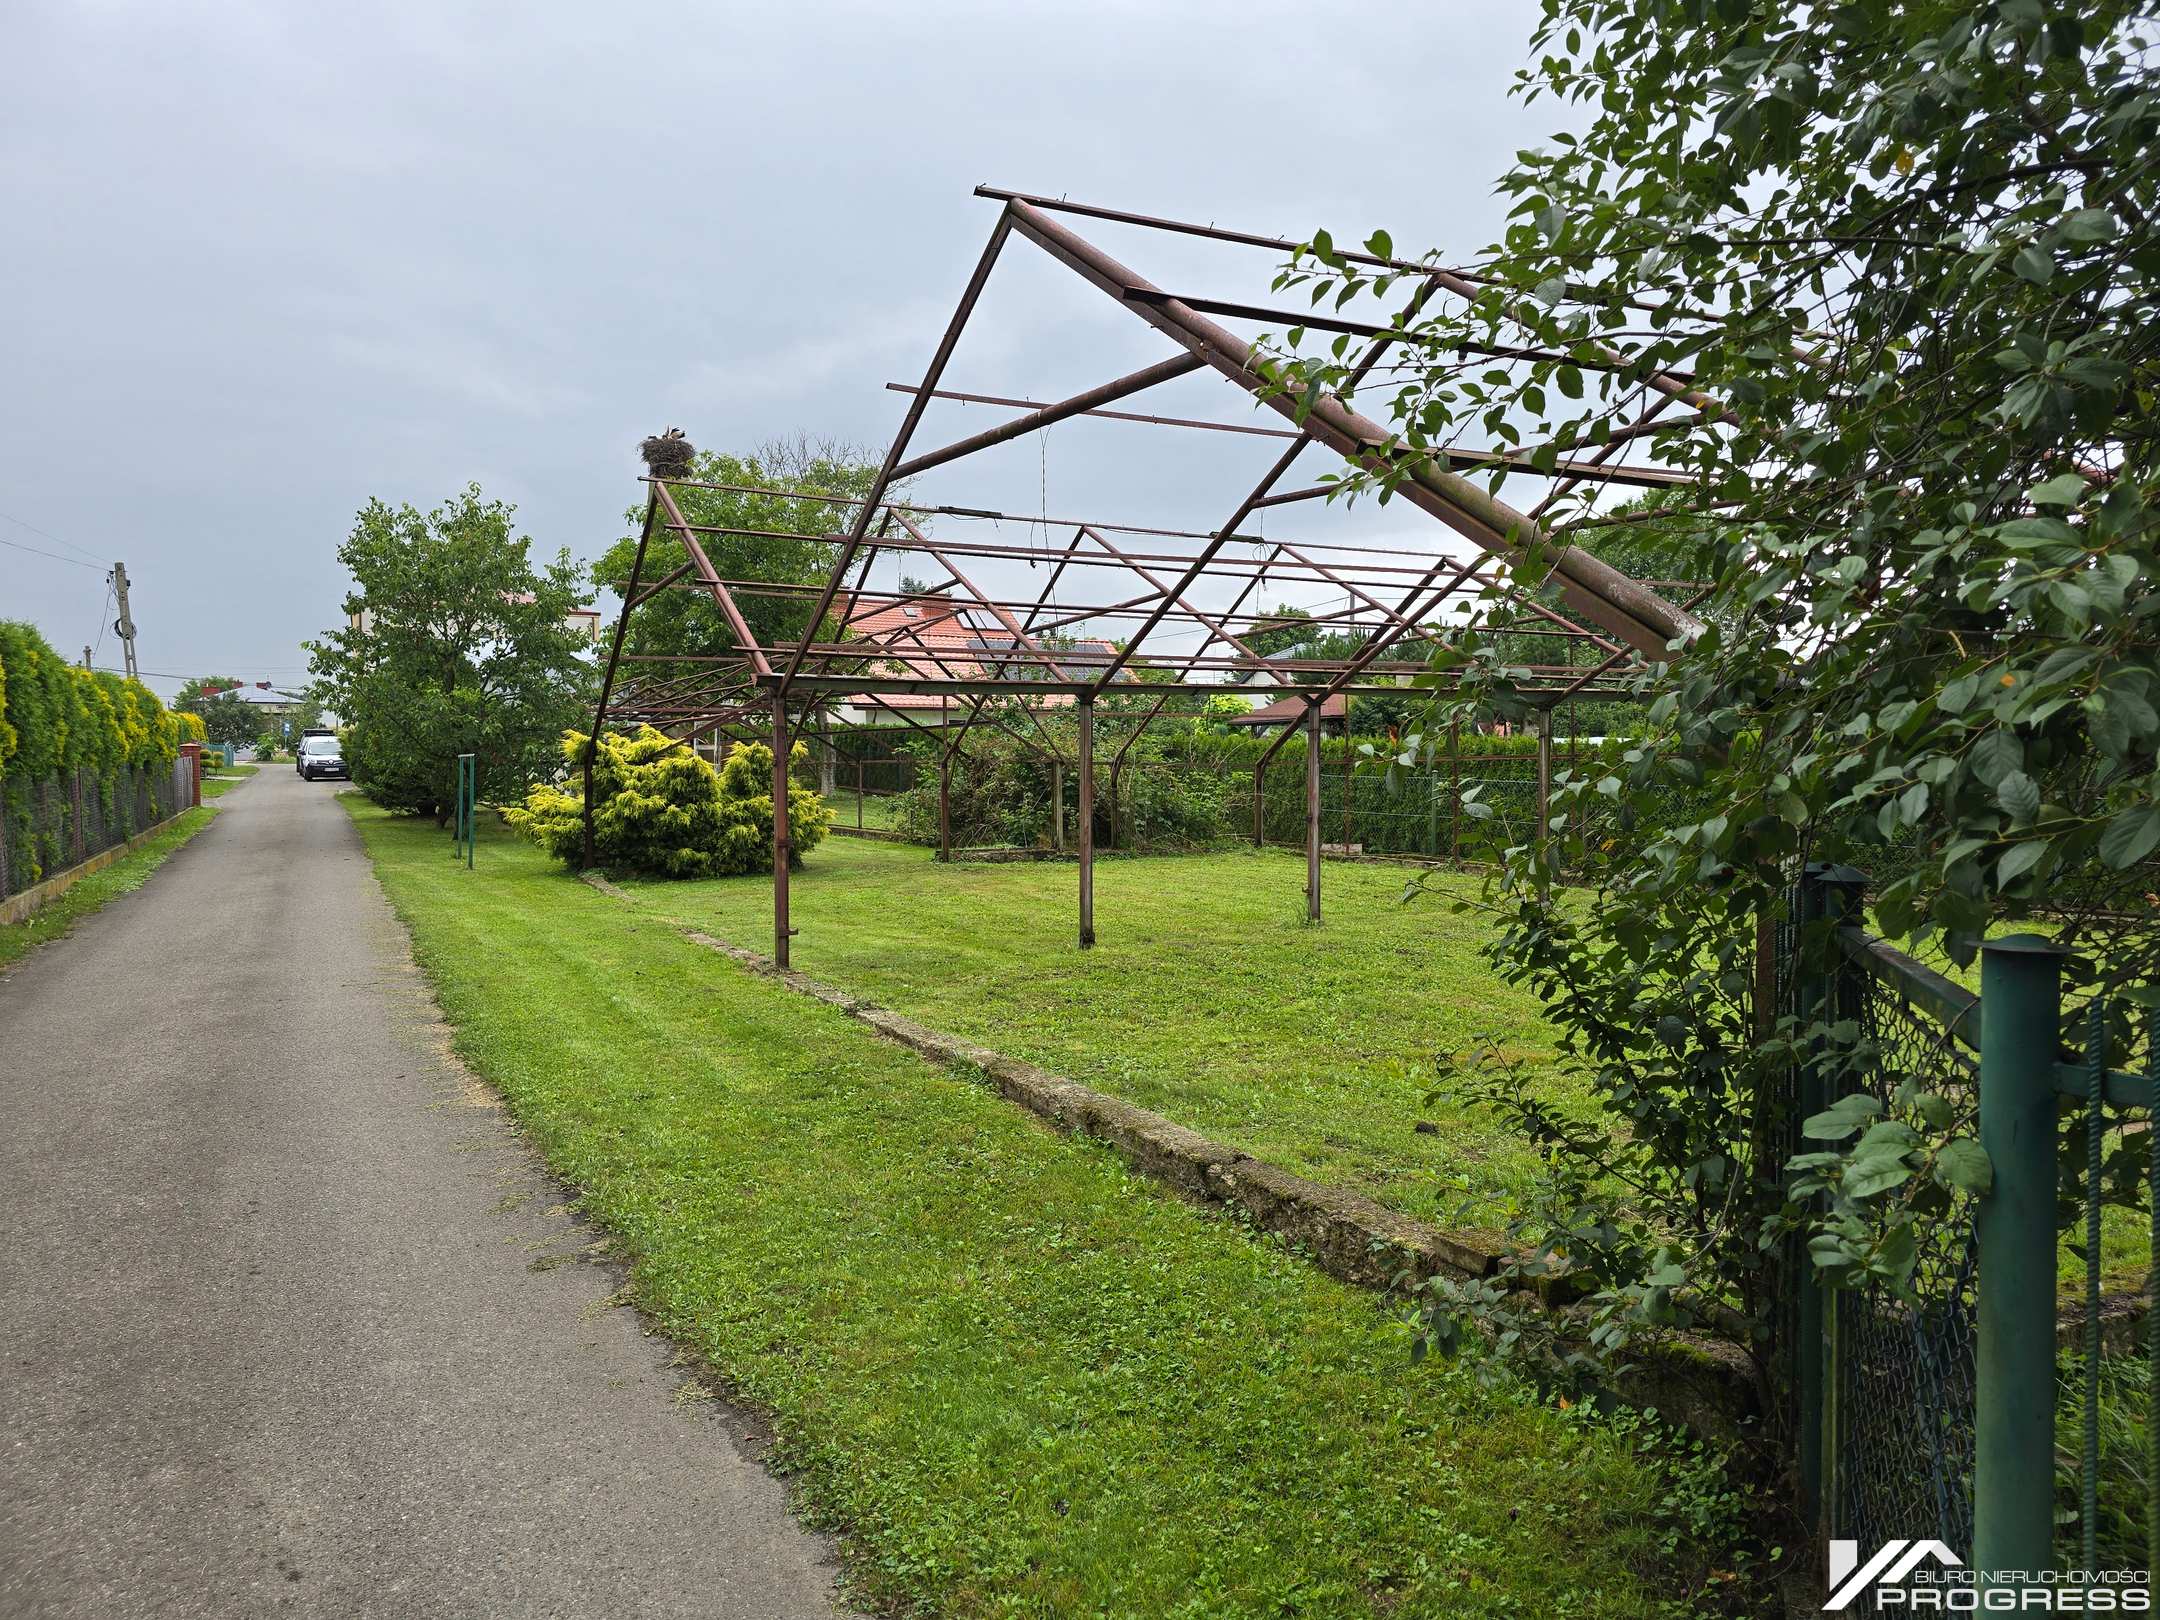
column 124, row 626
column 86, row 658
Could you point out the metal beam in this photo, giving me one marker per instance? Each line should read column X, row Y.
column 1592, row 587
column 908, row 423
column 1044, row 416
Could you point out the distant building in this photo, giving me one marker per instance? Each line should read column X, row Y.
column 1290, row 711
column 928, row 637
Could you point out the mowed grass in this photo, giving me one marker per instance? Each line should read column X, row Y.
column 873, row 812
column 1206, row 997
column 85, row 895
column 1023, row 1380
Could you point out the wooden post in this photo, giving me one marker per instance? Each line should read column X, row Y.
column 1087, row 819
column 781, row 931
column 1312, row 810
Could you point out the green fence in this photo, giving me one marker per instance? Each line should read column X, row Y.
column 2003, row 1406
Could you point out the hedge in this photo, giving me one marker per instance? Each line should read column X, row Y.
column 58, row 719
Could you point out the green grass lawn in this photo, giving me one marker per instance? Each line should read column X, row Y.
column 87, row 894
column 874, row 812
column 1206, row 998
column 1024, row 1380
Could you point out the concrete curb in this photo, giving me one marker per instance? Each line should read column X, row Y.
column 39, row 895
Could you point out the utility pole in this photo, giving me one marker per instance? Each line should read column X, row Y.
column 86, row 658
column 124, row 626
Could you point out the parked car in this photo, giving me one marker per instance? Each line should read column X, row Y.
column 320, row 756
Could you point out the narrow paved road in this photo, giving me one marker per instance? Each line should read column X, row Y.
column 290, row 1320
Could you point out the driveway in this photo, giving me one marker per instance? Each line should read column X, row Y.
column 291, row 1319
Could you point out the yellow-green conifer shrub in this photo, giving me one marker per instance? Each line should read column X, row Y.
column 659, row 808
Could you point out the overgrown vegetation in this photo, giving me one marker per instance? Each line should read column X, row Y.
column 1187, row 784
column 1905, row 254
column 1022, row 1380
column 660, row 808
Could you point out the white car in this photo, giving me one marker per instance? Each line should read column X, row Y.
column 320, row 756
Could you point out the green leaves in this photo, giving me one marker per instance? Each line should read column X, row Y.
column 2131, row 836
column 1842, row 1118
column 2019, row 796
column 1926, row 527
column 1962, row 1165
column 2035, row 264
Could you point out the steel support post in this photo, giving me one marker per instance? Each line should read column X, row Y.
column 1087, row 820
column 1829, row 895
column 780, row 841
column 1312, row 810
column 2014, row 1405
column 1349, row 786
column 1454, row 754
column 1544, row 797
column 944, row 810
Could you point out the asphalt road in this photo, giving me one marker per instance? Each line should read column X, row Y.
column 290, row 1319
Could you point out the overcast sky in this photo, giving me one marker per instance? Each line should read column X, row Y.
column 264, row 261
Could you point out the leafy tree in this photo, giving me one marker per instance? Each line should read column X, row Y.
column 216, row 699
column 1905, row 249
column 227, row 718
column 195, row 690
column 464, row 648
column 686, row 621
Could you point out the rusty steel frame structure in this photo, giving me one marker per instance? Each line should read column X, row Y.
column 1026, row 658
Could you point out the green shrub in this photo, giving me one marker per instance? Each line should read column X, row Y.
column 659, row 808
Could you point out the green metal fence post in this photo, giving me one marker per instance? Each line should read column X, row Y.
column 1829, row 895
column 2014, row 1431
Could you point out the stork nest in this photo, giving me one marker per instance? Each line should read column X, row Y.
column 667, row 455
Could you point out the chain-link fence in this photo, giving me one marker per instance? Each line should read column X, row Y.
column 1893, row 1394
column 48, row 826
column 1903, row 1370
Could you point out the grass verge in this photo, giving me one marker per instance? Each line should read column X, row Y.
column 1023, row 1380
column 1207, row 998
column 18, row 940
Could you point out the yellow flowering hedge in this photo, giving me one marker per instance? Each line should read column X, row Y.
column 57, row 719
column 660, row 808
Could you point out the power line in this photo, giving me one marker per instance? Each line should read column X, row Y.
column 48, row 534
column 54, row 555
column 103, row 621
